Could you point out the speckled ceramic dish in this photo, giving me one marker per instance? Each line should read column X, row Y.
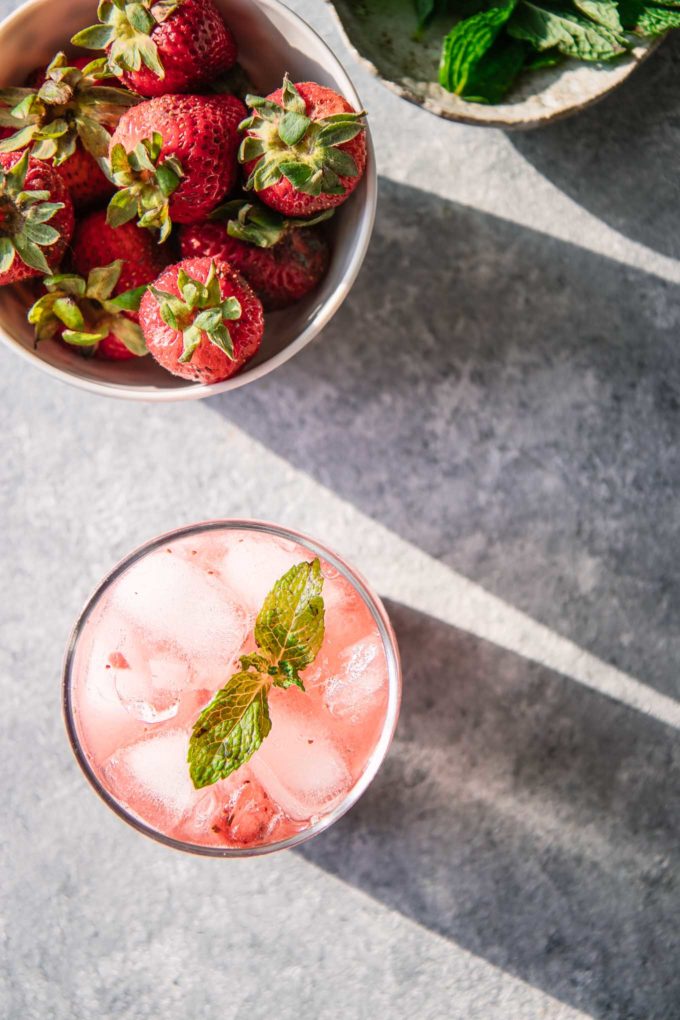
column 271, row 40
column 379, row 34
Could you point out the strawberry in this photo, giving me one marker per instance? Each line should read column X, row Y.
column 85, row 315
column 280, row 261
column 201, row 320
column 36, row 217
column 159, row 47
column 63, row 119
column 305, row 148
column 174, row 158
column 95, row 243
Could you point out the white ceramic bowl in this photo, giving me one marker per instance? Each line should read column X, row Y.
column 271, row 40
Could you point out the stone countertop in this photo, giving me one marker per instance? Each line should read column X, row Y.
column 489, row 429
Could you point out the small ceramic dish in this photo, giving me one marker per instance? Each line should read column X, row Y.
column 379, row 35
column 271, row 40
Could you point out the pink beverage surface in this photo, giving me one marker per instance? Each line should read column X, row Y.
column 166, row 635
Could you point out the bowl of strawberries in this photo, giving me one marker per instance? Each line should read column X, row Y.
column 187, row 191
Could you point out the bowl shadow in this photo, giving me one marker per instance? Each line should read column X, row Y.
column 529, row 820
column 509, row 403
column 617, row 159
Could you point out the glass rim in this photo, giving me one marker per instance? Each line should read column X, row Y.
column 385, row 629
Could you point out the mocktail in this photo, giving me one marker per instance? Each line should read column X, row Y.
column 171, row 627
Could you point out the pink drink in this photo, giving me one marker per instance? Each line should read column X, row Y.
column 165, row 633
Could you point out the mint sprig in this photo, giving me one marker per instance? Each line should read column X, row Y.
column 493, row 42
column 289, row 632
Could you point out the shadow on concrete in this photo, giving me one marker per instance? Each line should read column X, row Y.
column 527, row 818
column 618, row 158
column 509, row 403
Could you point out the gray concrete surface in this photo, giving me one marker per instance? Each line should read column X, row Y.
column 499, row 398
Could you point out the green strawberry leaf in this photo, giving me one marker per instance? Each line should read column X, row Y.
column 30, row 253
column 129, row 301
column 79, row 339
column 20, row 139
column 292, row 127
column 139, row 18
column 94, row 137
column 7, row 254
column 299, row 174
column 290, row 625
column 40, row 233
column 221, row 337
column 208, row 320
column 230, row 730
column 168, row 180
column 67, row 311
column 340, row 162
column 338, row 133
column 291, row 98
column 69, row 283
column 122, row 208
column 129, row 334
column 102, row 280
column 96, row 37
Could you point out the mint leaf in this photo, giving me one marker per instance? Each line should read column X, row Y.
column 548, row 58
column 290, row 626
column 492, row 77
column 229, row 731
column 655, row 20
column 602, row 12
column 545, row 27
column 289, row 631
column 468, row 42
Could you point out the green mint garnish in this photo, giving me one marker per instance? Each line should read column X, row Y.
column 289, row 632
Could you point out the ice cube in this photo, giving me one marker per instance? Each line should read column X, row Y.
column 181, row 607
column 151, row 777
column 151, row 692
column 253, row 564
column 103, row 721
column 249, row 814
column 347, row 617
column 353, row 690
column 299, row 764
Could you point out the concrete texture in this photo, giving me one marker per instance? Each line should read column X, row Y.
column 497, row 402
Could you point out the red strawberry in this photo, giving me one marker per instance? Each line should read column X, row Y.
column 305, row 148
column 36, row 217
column 174, row 157
column 162, row 46
column 282, row 260
column 85, row 314
column 81, row 107
column 201, row 320
column 95, row 243
column 83, row 178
